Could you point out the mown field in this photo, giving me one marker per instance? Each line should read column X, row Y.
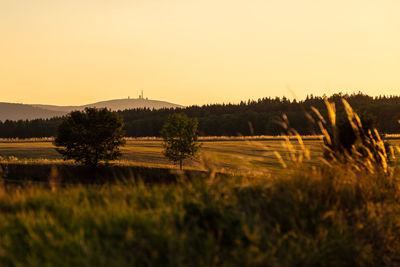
column 235, row 155
column 307, row 214
column 221, row 154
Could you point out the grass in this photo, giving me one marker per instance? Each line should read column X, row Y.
column 235, row 155
column 312, row 212
column 228, row 155
column 313, row 217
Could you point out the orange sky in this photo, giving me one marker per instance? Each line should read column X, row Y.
column 196, row 52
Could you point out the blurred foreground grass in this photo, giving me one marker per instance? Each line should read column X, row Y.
column 306, row 217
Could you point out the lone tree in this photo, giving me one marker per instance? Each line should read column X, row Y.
column 180, row 138
column 90, row 136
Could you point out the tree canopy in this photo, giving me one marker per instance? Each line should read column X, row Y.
column 90, row 136
column 180, row 138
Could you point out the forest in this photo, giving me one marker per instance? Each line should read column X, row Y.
column 252, row 117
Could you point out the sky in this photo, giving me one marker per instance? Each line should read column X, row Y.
column 196, row 52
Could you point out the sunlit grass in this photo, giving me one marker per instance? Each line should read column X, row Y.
column 256, row 155
column 307, row 216
column 225, row 155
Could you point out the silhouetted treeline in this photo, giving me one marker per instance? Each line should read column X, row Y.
column 28, row 128
column 247, row 118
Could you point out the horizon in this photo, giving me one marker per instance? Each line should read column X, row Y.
column 292, row 98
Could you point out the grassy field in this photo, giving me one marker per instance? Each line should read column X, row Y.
column 234, row 155
column 304, row 215
column 223, row 154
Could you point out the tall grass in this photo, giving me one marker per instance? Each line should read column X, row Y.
column 368, row 151
column 320, row 217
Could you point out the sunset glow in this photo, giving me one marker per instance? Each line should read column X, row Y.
column 196, row 52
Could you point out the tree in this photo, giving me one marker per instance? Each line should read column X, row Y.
column 90, row 136
column 180, row 138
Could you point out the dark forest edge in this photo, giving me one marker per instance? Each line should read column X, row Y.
column 247, row 118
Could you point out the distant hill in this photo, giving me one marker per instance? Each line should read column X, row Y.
column 117, row 104
column 10, row 111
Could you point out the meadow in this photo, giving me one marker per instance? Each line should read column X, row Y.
column 262, row 214
column 225, row 154
column 232, row 154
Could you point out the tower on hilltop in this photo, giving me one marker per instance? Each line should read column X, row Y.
column 141, row 95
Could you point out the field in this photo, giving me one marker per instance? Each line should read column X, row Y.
column 222, row 155
column 259, row 215
column 233, row 155
column 226, row 154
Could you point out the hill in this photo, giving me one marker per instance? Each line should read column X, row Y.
column 11, row 111
column 116, row 104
